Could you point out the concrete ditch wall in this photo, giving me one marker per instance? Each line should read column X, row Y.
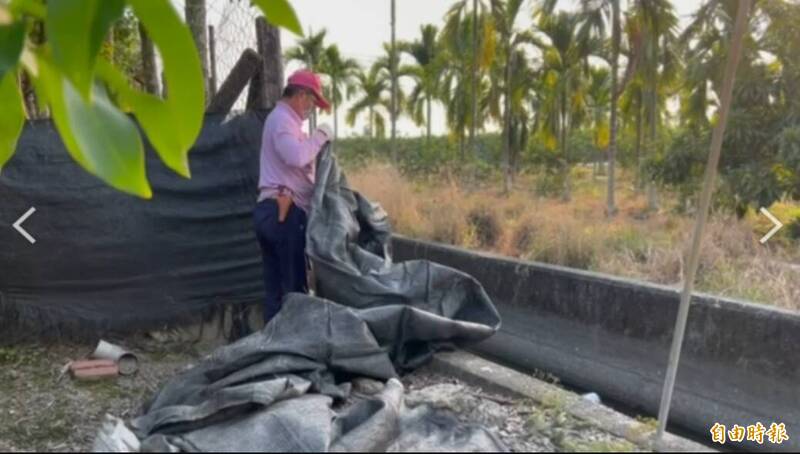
column 740, row 362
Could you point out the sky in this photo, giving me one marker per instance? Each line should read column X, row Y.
column 360, row 27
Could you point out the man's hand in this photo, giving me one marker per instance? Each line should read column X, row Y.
column 326, row 129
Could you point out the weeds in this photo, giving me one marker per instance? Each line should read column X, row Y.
column 471, row 213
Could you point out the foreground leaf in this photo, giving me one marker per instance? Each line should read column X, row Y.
column 281, row 14
column 12, row 38
column 172, row 125
column 12, row 117
column 96, row 134
column 76, row 30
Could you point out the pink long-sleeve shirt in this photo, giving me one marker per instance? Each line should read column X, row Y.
column 288, row 156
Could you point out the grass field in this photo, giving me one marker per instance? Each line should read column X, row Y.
column 636, row 243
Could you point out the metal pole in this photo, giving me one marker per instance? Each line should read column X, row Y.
column 212, row 51
column 702, row 215
column 473, row 131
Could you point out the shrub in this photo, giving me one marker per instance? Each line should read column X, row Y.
column 486, row 226
column 793, row 229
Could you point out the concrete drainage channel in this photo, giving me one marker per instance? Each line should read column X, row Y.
column 495, row 378
column 740, row 363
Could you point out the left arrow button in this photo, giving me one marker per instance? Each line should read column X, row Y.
column 18, row 225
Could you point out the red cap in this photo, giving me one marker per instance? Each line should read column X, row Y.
column 307, row 79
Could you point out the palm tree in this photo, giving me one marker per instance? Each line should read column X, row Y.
column 475, row 18
column 505, row 15
column 396, row 96
column 632, row 108
column 455, row 92
column 425, row 75
column 705, row 41
column 658, row 67
column 523, row 87
column 564, row 95
column 599, row 92
column 342, row 73
column 373, row 84
column 195, row 12
column 309, row 51
column 393, row 63
column 596, row 15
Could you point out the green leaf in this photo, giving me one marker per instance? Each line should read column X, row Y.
column 96, row 134
column 281, row 14
column 172, row 125
column 12, row 38
column 12, row 116
column 33, row 8
column 76, row 30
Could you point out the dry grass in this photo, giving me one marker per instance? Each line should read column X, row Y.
column 637, row 244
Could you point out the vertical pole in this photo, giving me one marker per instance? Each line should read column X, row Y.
column 212, row 62
column 393, row 74
column 473, row 130
column 611, row 206
column 256, row 94
column 702, row 215
column 273, row 64
column 28, row 95
column 195, row 13
column 267, row 85
column 149, row 70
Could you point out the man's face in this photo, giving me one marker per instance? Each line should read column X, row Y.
column 308, row 102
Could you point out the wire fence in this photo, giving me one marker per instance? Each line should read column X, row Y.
column 231, row 29
column 232, row 26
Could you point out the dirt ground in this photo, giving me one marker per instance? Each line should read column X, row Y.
column 42, row 409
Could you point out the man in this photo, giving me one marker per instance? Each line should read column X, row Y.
column 286, row 186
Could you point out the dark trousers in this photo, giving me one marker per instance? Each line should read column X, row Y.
column 283, row 250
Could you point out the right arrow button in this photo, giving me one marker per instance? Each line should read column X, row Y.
column 778, row 225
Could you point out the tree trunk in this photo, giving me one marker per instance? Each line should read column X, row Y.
column 652, row 195
column 334, row 109
column 149, row 71
column 245, row 69
column 611, row 208
column 371, row 123
column 212, row 61
column 267, row 85
column 109, row 45
column 28, row 96
column 639, row 180
column 33, row 106
column 195, row 12
column 271, row 52
column 428, row 139
column 393, row 75
column 507, row 121
column 474, row 126
column 567, row 196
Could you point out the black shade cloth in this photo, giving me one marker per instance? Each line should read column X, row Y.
column 287, row 387
column 348, row 244
column 104, row 260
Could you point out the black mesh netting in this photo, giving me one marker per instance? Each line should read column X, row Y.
column 104, row 260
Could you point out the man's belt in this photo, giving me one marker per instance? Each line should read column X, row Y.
column 283, row 196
